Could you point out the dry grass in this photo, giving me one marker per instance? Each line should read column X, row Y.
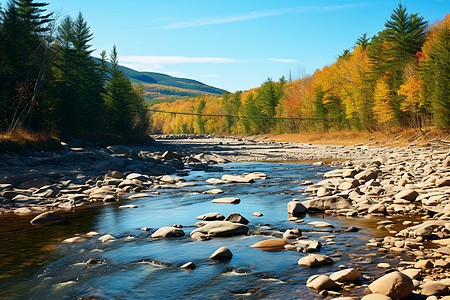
column 22, row 135
column 400, row 138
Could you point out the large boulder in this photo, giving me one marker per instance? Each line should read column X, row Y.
column 45, row 219
column 222, row 228
column 395, row 285
column 168, row 231
column 407, row 194
column 271, row 245
column 315, row 260
column 327, row 203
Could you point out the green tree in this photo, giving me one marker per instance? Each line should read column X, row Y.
column 363, row 41
column 435, row 72
column 125, row 108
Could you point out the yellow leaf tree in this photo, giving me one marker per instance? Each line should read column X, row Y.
column 382, row 110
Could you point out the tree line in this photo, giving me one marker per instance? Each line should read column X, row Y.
column 49, row 79
column 398, row 78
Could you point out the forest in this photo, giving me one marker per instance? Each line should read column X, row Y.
column 50, row 81
column 396, row 79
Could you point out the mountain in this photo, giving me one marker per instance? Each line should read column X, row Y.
column 160, row 87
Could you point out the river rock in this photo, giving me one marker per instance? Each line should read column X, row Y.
column 199, row 236
column 423, row 264
column 237, row 179
column 320, row 224
column 45, row 219
column 434, row 288
column 296, row 207
column 411, row 273
column 213, row 192
column 440, row 182
column 76, row 239
column 227, row 200
column 215, row 181
column 327, row 203
column 315, row 260
column 106, row 237
column 213, row 216
column 270, row 245
column 367, row 175
column 236, row 218
column 321, row 282
column 292, row 233
column 376, row 297
column 188, row 266
column 222, row 228
column 408, row 194
column 257, row 214
column 395, row 285
column 222, row 254
column 346, row 275
column 168, row 231
column 115, row 174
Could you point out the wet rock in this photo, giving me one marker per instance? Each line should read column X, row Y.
column 346, row 275
column 168, row 231
column 321, row 282
column 93, row 261
column 46, row 218
column 292, row 233
column 213, row 216
column 315, row 260
column 106, row 238
column 222, row 254
column 189, row 266
column 236, row 218
column 395, row 285
column 227, row 200
column 222, row 228
column 76, row 239
column 271, row 245
column 128, row 206
column 257, row 214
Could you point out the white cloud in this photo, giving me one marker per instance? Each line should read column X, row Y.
column 168, row 60
column 256, row 15
column 283, row 60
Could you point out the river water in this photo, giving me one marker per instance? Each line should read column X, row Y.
column 36, row 265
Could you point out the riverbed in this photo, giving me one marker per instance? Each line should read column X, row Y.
column 36, row 265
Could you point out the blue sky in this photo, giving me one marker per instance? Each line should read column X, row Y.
column 235, row 45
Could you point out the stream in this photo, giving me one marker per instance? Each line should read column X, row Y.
column 36, row 265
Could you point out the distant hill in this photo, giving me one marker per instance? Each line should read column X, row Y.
column 160, row 87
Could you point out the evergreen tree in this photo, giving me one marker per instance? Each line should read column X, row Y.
column 363, row 41
column 124, row 104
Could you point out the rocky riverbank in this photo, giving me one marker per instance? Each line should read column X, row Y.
column 388, row 183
